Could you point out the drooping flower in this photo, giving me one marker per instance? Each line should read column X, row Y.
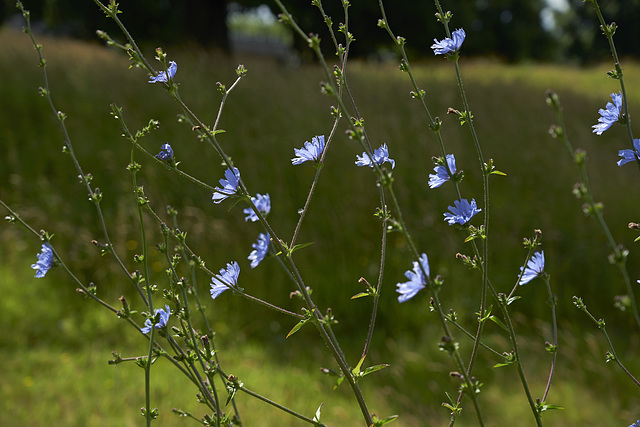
column 609, row 115
column 311, row 151
column 166, row 152
column 535, row 267
column 380, row 155
column 441, row 174
column 225, row 279
column 449, row 44
column 630, row 155
column 45, row 261
column 229, row 185
column 462, row 212
column 163, row 318
column 260, row 249
column 417, row 280
column 162, row 76
column 263, row 203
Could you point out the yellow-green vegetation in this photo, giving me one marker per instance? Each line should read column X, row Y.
column 55, row 344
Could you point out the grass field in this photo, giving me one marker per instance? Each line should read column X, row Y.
column 55, row 345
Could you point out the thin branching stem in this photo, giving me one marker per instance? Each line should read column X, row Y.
column 619, row 256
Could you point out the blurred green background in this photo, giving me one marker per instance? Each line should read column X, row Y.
column 55, row 344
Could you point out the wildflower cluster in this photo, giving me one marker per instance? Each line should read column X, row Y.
column 380, row 156
column 229, row 185
column 535, row 268
column 443, row 173
column 164, row 77
column 449, row 45
column 45, row 261
column 166, row 153
column 311, row 151
column 418, row 279
column 226, row 279
column 162, row 316
column 461, row 212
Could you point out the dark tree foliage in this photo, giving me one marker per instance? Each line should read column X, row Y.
column 582, row 37
column 508, row 29
column 154, row 21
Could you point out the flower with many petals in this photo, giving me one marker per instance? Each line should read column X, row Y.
column 449, row 44
column 229, row 185
column 462, row 212
column 227, row 278
column 311, row 151
column 609, row 115
column 163, row 317
column 45, row 261
column 417, row 280
column 630, row 155
column 166, row 152
column 262, row 203
column 535, row 267
column 380, row 155
column 260, row 249
column 164, row 77
column 441, row 173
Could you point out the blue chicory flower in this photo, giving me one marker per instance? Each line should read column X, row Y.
column 610, row 115
column 311, row 151
column 462, row 212
column 535, row 267
column 162, row 76
column 417, row 280
column 229, row 185
column 263, row 203
column 166, row 152
column 636, row 424
column 380, row 155
column 45, row 261
column 163, row 318
column 449, row 45
column 441, row 174
column 225, row 279
column 260, row 249
column 630, row 155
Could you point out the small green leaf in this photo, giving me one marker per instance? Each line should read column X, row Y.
column 300, row 246
column 356, row 371
column 500, row 365
column 316, row 418
column 362, row 294
column 374, row 368
column 297, row 327
column 498, row 322
column 378, row 422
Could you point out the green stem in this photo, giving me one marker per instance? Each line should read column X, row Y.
column 552, row 301
column 516, row 351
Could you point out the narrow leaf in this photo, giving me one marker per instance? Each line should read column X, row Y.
column 297, row 327
column 498, row 322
